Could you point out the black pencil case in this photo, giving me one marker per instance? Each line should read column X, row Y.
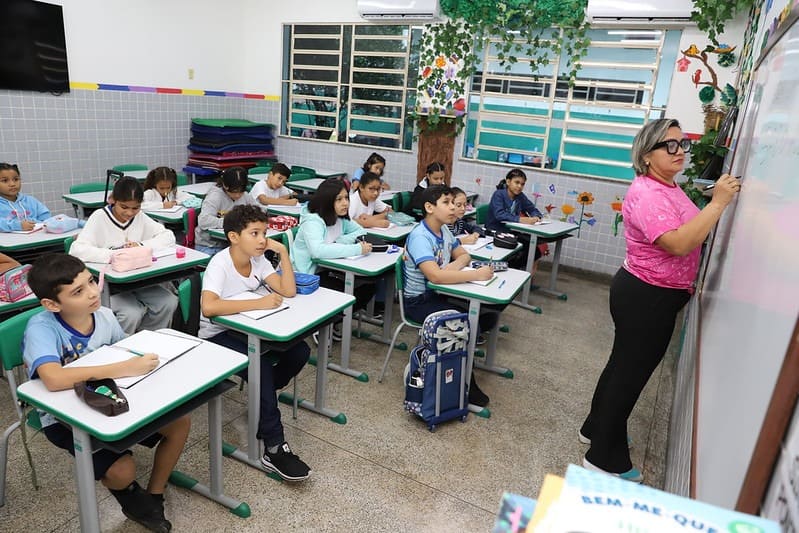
column 110, row 403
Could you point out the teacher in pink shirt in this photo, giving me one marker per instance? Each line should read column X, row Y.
column 664, row 231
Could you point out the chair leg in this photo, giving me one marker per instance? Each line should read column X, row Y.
column 295, row 402
column 4, row 460
column 388, row 354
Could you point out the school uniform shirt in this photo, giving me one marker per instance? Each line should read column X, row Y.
column 356, row 176
column 424, row 245
column 316, row 240
column 222, row 279
column 463, row 226
column 262, row 188
column 650, row 209
column 103, row 232
column 212, row 213
column 25, row 207
column 48, row 339
column 154, row 200
column 504, row 209
column 357, row 207
column 416, row 196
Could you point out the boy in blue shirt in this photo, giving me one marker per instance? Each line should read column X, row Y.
column 239, row 268
column 432, row 253
column 74, row 324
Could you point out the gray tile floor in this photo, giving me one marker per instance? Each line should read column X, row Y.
column 382, row 470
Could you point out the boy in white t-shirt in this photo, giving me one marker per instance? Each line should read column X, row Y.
column 242, row 267
column 272, row 190
column 366, row 207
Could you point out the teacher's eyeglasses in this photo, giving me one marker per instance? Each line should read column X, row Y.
column 672, row 145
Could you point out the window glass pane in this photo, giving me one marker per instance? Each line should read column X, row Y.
column 309, row 89
column 322, row 60
column 381, row 62
column 317, row 30
column 316, row 44
column 381, row 45
column 315, row 75
column 383, row 95
column 378, row 78
column 381, row 29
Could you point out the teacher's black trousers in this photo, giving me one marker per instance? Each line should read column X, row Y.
column 644, row 317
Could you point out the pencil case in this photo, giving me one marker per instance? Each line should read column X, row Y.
column 102, row 395
column 131, row 258
column 306, row 283
column 14, row 284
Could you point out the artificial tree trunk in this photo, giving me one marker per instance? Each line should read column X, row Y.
column 435, row 145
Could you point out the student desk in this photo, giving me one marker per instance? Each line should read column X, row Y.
column 167, row 217
column 140, row 175
column 96, row 199
column 309, row 185
column 393, row 234
column 290, row 210
column 388, row 196
column 553, row 229
column 197, row 189
column 489, row 252
column 501, row 291
column 306, row 313
column 328, row 173
column 7, row 308
column 370, row 265
column 197, row 377
column 20, row 242
column 165, row 268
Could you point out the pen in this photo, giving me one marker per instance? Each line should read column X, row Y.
column 134, row 352
column 709, row 187
column 501, row 284
column 273, row 314
column 263, row 284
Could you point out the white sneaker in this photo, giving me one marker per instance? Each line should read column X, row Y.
column 585, row 440
column 632, row 474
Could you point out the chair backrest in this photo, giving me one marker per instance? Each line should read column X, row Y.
column 481, row 213
column 299, row 176
column 11, row 333
column 91, row 186
column 68, row 244
column 130, row 166
column 405, row 202
column 259, row 170
column 183, row 179
column 189, row 293
column 303, row 170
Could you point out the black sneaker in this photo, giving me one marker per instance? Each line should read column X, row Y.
column 480, row 340
column 285, row 464
column 476, row 396
column 380, row 309
column 142, row 508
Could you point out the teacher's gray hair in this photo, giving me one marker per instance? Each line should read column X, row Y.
column 648, row 136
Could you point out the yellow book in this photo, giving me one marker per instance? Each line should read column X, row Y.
column 550, row 492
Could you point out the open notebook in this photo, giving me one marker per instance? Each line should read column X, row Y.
column 484, row 283
column 258, row 313
column 37, row 227
column 168, row 347
column 481, row 242
column 173, row 209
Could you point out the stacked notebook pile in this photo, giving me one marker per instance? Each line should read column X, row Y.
column 587, row 501
column 217, row 144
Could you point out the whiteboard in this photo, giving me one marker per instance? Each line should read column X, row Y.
column 750, row 296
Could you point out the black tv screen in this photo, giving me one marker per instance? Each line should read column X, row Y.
column 33, row 51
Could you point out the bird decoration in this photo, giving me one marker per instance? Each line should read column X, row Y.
column 697, row 75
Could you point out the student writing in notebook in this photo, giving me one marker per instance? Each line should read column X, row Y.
column 464, row 230
column 432, row 253
column 161, row 190
column 272, row 190
column 121, row 224
column 242, row 267
column 18, row 211
column 72, row 325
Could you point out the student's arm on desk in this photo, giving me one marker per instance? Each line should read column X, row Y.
column 56, row 377
column 87, row 247
column 283, row 200
column 460, row 258
column 435, row 274
column 212, row 305
column 377, row 220
column 155, row 235
column 284, row 282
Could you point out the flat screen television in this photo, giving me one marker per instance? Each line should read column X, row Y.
column 33, row 51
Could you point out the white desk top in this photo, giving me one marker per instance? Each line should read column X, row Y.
column 489, row 252
column 394, row 234
column 28, row 301
column 371, row 264
column 197, row 189
column 309, row 185
column 97, row 198
column 554, row 228
column 170, row 217
column 304, row 311
column 10, row 242
column 140, row 175
column 161, row 265
column 387, row 196
column 496, row 292
column 154, row 396
column 328, row 173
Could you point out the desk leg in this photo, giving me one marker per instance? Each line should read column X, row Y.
column 491, row 354
column 84, row 476
column 553, row 275
column 320, row 394
column 215, row 466
column 524, row 302
column 346, row 337
column 474, row 326
column 105, row 295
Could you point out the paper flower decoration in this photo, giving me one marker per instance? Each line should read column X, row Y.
column 585, row 198
column 567, row 209
column 549, row 208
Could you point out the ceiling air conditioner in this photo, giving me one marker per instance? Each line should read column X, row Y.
column 639, row 13
column 399, row 10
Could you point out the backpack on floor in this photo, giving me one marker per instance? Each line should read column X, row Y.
column 436, row 384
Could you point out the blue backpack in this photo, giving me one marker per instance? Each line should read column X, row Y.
column 436, row 384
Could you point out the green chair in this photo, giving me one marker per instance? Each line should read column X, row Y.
column 303, row 170
column 481, row 213
column 404, row 200
column 268, row 163
column 183, row 179
column 259, row 170
column 11, row 332
column 68, row 244
column 130, row 167
column 91, row 186
column 399, row 283
column 299, row 176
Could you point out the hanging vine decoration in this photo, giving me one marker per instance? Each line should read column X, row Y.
column 728, row 95
column 537, row 30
